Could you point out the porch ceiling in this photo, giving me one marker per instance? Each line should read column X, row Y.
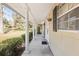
column 38, row 11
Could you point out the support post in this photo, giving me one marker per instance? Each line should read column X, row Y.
column 33, row 31
column 1, row 18
column 27, row 30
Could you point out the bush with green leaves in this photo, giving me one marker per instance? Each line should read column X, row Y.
column 30, row 36
column 8, row 47
column 23, row 36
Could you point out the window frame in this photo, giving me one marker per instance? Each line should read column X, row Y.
column 77, row 6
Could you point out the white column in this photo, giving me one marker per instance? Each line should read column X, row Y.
column 1, row 19
column 27, row 30
column 33, row 28
column 43, row 30
column 36, row 29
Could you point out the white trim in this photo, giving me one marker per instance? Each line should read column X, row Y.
column 68, row 11
column 76, row 31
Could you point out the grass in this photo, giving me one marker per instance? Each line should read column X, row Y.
column 10, row 35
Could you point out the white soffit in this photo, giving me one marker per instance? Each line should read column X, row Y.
column 40, row 10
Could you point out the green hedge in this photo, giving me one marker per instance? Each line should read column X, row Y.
column 30, row 36
column 23, row 36
column 9, row 46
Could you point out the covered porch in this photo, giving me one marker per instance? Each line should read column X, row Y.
column 35, row 22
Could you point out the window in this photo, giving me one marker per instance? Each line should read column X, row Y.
column 69, row 21
column 62, row 8
column 63, row 22
column 73, row 18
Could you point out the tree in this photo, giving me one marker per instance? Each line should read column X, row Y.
column 6, row 24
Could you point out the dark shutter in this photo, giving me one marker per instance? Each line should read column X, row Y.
column 55, row 19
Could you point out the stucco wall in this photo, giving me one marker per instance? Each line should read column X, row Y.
column 63, row 43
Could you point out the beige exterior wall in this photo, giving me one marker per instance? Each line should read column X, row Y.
column 63, row 43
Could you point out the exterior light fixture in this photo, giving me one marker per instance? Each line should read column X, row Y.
column 49, row 19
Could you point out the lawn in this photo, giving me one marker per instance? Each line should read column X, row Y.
column 10, row 34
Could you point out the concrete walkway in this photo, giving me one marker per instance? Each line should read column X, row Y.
column 37, row 49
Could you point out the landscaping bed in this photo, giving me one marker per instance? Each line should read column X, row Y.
column 30, row 36
column 12, row 47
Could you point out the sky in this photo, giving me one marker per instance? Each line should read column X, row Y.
column 8, row 13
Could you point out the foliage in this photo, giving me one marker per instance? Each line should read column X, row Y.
column 23, row 36
column 30, row 36
column 9, row 46
column 7, row 26
column 19, row 22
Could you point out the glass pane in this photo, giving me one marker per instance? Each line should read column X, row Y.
column 65, row 25
column 71, row 25
column 74, row 13
column 77, row 24
column 63, row 22
column 73, row 19
column 69, row 21
column 59, row 23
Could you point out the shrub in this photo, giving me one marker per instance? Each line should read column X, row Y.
column 30, row 36
column 23, row 36
column 9, row 46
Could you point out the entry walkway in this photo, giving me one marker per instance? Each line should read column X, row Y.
column 37, row 49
